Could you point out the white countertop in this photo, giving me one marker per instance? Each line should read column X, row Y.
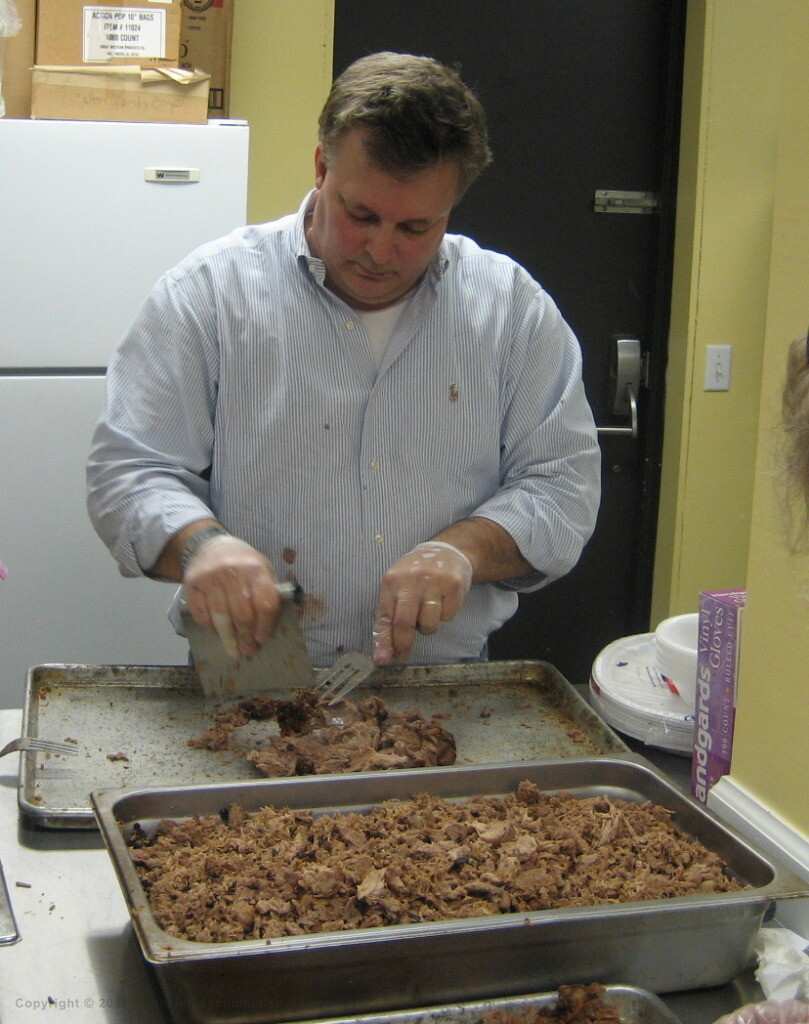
column 78, row 960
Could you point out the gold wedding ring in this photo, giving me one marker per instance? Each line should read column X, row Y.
column 431, row 602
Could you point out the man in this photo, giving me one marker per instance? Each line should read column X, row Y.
column 355, row 400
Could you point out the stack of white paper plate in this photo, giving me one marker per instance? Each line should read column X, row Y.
column 630, row 692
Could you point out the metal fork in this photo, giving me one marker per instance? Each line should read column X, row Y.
column 33, row 743
column 343, row 676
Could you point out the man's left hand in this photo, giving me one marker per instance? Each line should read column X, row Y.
column 426, row 587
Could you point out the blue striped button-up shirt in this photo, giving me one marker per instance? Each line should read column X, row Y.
column 246, row 390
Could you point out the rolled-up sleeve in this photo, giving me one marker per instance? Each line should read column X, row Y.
column 551, row 462
column 151, row 452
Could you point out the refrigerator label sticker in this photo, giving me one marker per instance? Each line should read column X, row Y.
column 175, row 174
column 130, row 32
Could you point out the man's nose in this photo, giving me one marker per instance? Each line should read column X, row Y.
column 380, row 244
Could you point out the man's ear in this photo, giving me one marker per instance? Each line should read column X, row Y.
column 320, row 167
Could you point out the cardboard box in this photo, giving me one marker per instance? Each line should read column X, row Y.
column 118, row 94
column 719, row 639
column 75, row 32
column 18, row 59
column 205, row 43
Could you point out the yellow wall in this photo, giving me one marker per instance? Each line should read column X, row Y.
column 731, row 98
column 281, row 73
column 771, row 741
column 740, row 276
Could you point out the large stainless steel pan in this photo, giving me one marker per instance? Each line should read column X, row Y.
column 659, row 945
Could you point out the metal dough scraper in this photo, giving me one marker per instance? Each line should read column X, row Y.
column 281, row 663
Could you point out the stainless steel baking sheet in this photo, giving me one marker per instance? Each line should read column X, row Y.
column 131, row 725
column 658, row 945
column 634, row 1005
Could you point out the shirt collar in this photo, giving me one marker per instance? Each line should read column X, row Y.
column 317, row 268
column 441, row 261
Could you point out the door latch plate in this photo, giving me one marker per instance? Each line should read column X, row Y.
column 616, row 201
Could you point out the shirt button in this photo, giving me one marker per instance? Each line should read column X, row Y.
column 378, row 538
column 350, row 325
column 373, row 464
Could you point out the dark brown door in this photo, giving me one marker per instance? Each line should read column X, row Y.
column 582, row 98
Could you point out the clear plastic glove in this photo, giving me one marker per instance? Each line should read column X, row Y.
column 232, row 590
column 426, row 587
column 783, row 964
column 792, row 1011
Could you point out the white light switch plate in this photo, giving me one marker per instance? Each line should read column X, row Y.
column 717, row 367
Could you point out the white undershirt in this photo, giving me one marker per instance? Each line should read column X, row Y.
column 380, row 325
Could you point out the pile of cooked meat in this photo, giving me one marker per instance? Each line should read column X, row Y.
column 576, row 1004
column 279, row 871
column 316, row 739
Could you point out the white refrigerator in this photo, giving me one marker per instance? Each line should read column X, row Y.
column 91, row 213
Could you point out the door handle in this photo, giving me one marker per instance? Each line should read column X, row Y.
column 630, row 431
column 625, row 374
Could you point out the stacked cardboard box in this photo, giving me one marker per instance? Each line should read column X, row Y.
column 119, row 93
column 117, row 61
column 200, row 40
column 720, row 627
column 71, row 33
column 205, row 43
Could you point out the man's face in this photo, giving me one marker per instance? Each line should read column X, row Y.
column 377, row 234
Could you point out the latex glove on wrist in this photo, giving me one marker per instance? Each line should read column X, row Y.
column 231, row 589
column 426, row 587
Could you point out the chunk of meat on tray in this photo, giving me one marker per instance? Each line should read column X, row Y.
column 316, row 739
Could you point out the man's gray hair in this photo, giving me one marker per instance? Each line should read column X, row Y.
column 415, row 111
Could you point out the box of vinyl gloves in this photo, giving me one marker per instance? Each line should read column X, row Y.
column 719, row 646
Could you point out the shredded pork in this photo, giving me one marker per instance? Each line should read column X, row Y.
column 316, row 739
column 278, row 872
column 576, row 1004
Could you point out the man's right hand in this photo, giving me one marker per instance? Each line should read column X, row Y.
column 231, row 588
